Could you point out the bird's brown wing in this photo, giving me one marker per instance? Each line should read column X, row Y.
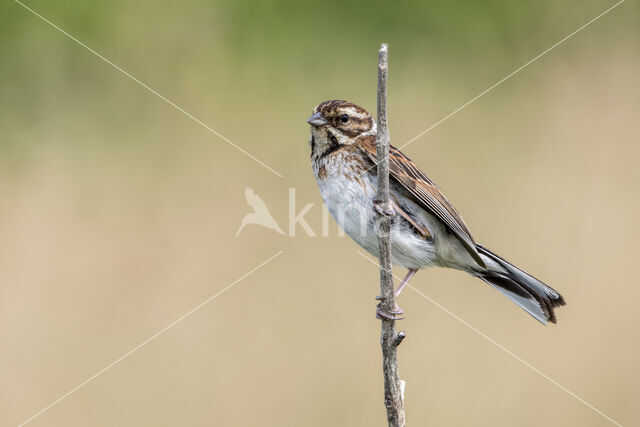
column 408, row 174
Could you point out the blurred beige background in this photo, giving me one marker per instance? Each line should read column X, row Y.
column 118, row 214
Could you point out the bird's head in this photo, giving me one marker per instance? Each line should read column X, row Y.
column 338, row 122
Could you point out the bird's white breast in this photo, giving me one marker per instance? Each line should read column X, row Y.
column 348, row 192
column 348, row 195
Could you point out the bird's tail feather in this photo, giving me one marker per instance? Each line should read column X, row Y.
column 529, row 293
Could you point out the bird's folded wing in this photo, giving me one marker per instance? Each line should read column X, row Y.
column 408, row 174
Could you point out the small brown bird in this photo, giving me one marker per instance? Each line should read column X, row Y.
column 426, row 229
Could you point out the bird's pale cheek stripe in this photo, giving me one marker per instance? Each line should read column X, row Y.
column 335, row 145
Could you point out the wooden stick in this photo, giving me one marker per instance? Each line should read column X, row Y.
column 393, row 387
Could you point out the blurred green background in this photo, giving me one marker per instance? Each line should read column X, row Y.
column 118, row 214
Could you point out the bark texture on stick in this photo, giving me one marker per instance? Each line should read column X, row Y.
column 393, row 387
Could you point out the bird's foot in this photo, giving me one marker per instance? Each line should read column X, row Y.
column 389, row 212
column 395, row 314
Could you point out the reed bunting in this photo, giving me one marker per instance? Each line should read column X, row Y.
column 426, row 229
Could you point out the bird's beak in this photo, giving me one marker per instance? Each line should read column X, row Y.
column 317, row 120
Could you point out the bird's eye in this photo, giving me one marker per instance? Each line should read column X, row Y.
column 344, row 118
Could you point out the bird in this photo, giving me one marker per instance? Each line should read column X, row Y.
column 260, row 214
column 426, row 229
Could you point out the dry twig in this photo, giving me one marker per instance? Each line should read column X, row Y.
column 389, row 340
